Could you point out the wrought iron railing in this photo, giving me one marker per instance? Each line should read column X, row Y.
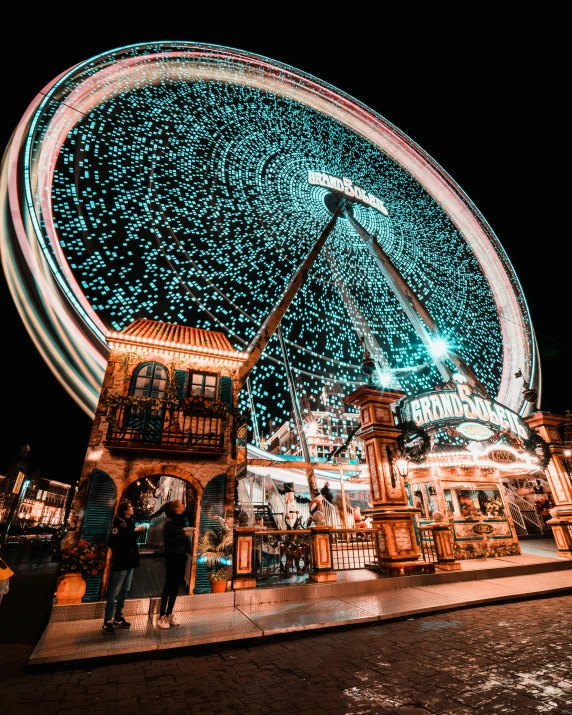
column 165, row 427
column 353, row 549
column 141, row 536
column 427, row 544
column 281, row 552
column 289, row 552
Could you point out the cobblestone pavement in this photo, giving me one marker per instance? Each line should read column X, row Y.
column 510, row 658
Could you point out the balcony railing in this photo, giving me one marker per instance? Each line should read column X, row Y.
column 132, row 425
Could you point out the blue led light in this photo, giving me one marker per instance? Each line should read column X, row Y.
column 181, row 192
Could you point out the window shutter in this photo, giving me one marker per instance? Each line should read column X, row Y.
column 225, row 393
column 212, row 504
column 97, row 521
column 181, row 377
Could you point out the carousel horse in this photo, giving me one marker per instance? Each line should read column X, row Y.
column 294, row 552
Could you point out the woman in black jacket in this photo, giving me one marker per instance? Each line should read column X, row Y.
column 177, row 532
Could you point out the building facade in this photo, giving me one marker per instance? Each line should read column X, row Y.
column 167, row 412
column 40, row 502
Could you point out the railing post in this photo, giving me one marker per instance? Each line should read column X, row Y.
column 444, row 544
column 244, row 576
column 322, row 561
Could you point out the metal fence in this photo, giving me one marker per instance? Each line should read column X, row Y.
column 427, row 544
column 353, row 549
column 281, row 553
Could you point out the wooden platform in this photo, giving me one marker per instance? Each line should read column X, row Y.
column 74, row 632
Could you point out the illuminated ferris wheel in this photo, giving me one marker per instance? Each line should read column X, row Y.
column 186, row 183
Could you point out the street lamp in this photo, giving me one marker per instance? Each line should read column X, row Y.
column 368, row 363
column 95, row 454
column 402, row 466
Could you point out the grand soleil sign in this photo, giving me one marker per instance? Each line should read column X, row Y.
column 462, row 404
column 348, row 188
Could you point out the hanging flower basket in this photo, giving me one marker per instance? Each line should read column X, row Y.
column 113, row 400
column 203, row 406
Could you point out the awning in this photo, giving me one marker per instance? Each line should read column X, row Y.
column 298, row 476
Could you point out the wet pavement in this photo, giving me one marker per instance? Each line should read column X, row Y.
column 74, row 632
column 506, row 658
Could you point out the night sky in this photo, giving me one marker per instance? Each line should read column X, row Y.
column 481, row 104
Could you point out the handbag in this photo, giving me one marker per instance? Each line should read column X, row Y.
column 5, row 571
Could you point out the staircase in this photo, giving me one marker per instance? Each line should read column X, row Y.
column 269, row 518
column 524, row 515
column 258, row 495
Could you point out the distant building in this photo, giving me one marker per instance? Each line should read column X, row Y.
column 42, row 502
column 328, row 425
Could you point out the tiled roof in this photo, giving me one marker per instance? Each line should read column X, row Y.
column 182, row 334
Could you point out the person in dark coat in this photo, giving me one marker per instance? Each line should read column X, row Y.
column 124, row 561
column 177, row 544
column 326, row 492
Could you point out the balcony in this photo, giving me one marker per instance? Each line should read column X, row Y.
column 165, row 427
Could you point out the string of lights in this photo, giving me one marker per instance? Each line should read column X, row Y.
column 185, row 183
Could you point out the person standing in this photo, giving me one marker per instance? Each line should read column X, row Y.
column 124, row 561
column 316, row 504
column 177, row 543
column 326, row 492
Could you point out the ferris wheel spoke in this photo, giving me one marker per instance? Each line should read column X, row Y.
column 168, row 181
column 413, row 308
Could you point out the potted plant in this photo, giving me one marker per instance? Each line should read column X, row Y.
column 78, row 561
column 219, row 579
column 215, row 551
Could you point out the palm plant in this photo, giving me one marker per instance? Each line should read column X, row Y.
column 215, row 548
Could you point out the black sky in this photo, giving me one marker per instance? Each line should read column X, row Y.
column 484, row 103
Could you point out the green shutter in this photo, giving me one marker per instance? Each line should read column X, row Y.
column 181, row 377
column 225, row 393
column 212, row 504
column 97, row 521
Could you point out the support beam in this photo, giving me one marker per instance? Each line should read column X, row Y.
column 414, row 308
column 312, row 483
column 253, row 414
column 272, row 321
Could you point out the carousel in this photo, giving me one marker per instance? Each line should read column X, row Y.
column 478, row 463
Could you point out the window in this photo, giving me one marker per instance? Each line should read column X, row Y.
column 150, row 381
column 470, row 501
column 204, row 384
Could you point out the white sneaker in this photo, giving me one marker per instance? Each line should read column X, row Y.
column 173, row 620
column 163, row 622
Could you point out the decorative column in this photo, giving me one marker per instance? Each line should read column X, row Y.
column 392, row 516
column 322, row 570
column 546, row 425
column 444, row 543
column 244, row 576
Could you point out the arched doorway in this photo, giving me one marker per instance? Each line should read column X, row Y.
column 148, row 494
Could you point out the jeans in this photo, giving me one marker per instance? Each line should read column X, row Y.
column 176, row 565
column 119, row 585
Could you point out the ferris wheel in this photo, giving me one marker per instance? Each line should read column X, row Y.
column 186, row 183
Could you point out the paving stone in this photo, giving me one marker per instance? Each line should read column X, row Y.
column 509, row 658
